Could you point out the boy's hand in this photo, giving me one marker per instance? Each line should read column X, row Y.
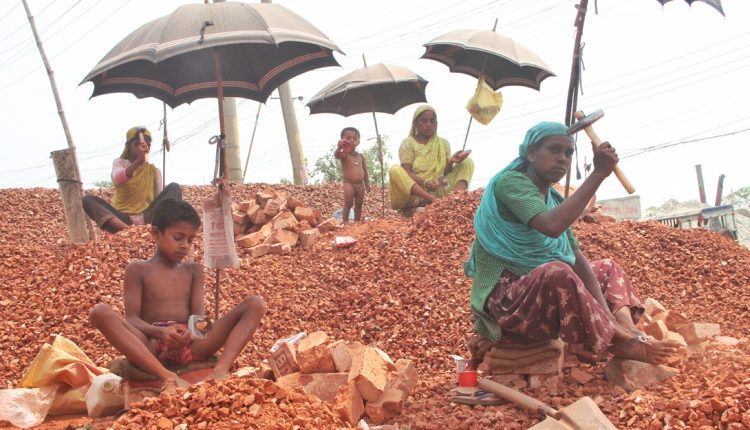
column 345, row 146
column 174, row 337
column 367, row 187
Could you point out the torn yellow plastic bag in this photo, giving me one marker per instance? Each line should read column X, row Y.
column 62, row 362
column 485, row 103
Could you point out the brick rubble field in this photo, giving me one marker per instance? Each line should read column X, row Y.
column 400, row 288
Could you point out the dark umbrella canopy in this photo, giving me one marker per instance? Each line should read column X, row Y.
column 716, row 4
column 499, row 59
column 172, row 58
column 377, row 88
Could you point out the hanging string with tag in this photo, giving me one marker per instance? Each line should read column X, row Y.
column 581, row 67
column 221, row 143
column 165, row 147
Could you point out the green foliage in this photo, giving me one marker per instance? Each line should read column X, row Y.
column 740, row 197
column 285, row 181
column 107, row 183
column 328, row 169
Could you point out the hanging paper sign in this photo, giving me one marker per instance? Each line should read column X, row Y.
column 219, row 251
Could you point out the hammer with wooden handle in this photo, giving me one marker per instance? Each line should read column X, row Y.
column 584, row 123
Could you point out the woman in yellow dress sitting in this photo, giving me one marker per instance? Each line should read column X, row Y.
column 427, row 170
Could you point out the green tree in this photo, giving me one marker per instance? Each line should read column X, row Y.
column 328, row 169
column 107, row 183
column 740, row 197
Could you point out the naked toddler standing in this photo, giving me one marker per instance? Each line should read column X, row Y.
column 354, row 171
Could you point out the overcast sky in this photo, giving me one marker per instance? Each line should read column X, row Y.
column 674, row 78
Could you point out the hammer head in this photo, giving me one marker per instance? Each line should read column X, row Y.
column 584, row 121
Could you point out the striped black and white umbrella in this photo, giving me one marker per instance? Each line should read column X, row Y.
column 244, row 50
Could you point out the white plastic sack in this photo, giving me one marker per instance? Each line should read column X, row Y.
column 26, row 407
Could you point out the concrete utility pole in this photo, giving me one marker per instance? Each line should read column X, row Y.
column 719, row 190
column 234, row 163
column 71, row 199
column 299, row 169
column 701, row 189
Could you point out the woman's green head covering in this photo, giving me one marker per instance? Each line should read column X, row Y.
column 420, row 110
column 533, row 136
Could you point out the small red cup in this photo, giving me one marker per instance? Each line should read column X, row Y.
column 468, row 378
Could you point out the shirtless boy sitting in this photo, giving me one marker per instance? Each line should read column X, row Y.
column 354, row 171
column 161, row 293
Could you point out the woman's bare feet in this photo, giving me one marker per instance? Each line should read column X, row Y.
column 650, row 351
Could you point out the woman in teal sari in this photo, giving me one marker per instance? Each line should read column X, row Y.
column 531, row 280
column 426, row 158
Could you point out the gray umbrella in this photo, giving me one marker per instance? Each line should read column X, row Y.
column 211, row 50
column 246, row 49
column 378, row 88
column 484, row 53
column 502, row 61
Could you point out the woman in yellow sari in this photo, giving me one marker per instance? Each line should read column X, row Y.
column 138, row 187
column 428, row 170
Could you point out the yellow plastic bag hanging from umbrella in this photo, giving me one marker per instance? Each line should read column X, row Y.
column 485, row 103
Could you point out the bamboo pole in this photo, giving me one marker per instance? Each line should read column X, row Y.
column 61, row 113
column 74, row 215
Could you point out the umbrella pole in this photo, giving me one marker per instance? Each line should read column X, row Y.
column 216, row 295
column 466, row 138
column 164, row 144
column 382, row 171
column 222, row 162
column 220, row 96
column 380, row 152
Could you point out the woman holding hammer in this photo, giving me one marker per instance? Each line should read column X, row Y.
column 531, row 280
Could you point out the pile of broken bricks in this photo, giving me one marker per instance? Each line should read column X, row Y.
column 355, row 379
column 662, row 324
column 277, row 222
column 543, row 364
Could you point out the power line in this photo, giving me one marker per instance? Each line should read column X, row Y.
column 27, row 50
column 91, row 29
column 683, row 142
column 9, row 12
column 24, row 24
